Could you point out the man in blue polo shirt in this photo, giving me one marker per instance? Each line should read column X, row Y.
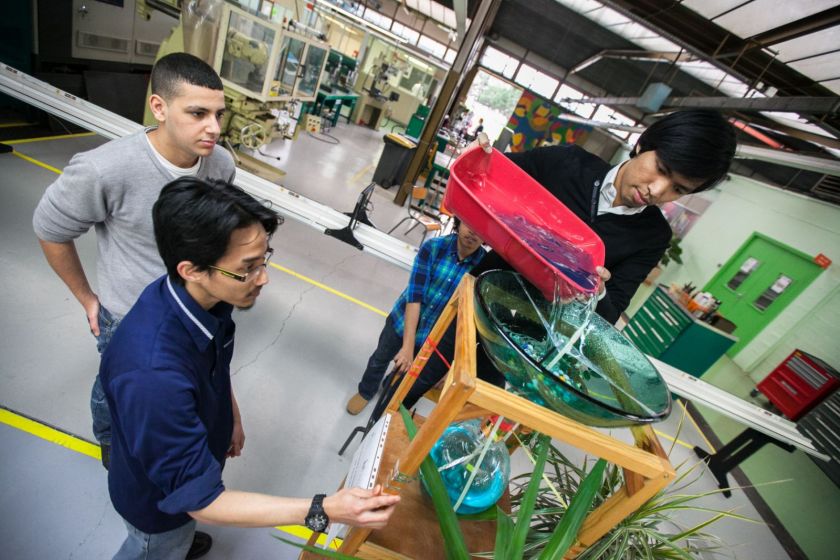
column 438, row 267
column 166, row 375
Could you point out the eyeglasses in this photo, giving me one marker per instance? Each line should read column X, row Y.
column 248, row 275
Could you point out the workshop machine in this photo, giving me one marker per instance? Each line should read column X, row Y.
column 267, row 69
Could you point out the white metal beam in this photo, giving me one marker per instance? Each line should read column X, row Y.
column 764, row 421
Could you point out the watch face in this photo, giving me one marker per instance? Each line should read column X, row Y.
column 317, row 522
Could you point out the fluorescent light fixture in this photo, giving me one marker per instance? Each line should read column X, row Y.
column 346, row 27
column 417, row 62
column 330, row 9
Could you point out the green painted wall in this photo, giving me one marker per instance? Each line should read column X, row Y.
column 742, row 206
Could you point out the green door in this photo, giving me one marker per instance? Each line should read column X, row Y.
column 758, row 282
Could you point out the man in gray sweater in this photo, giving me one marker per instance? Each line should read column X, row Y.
column 113, row 189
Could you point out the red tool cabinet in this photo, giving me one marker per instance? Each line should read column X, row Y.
column 799, row 383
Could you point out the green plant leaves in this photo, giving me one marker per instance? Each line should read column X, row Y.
column 504, row 531
column 565, row 534
column 649, row 533
column 453, row 538
column 673, row 252
column 516, row 545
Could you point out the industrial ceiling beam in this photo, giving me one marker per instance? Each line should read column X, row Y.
column 634, row 54
column 795, row 29
column 795, row 160
column 773, row 125
column 807, row 105
column 691, row 30
column 789, row 159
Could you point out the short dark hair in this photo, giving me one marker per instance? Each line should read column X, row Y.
column 176, row 68
column 696, row 143
column 194, row 219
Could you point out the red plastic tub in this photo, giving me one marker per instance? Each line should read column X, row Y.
column 533, row 231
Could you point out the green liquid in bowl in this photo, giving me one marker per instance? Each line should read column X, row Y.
column 603, row 380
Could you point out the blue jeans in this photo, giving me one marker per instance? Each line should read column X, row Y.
column 171, row 545
column 98, row 404
column 389, row 344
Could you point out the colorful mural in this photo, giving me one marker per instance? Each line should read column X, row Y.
column 568, row 132
column 535, row 120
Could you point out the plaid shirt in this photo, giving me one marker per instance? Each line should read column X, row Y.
column 434, row 277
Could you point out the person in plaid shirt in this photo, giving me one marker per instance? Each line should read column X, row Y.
column 438, row 267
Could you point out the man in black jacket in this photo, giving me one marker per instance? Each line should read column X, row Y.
column 683, row 153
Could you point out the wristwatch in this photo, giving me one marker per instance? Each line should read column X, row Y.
column 317, row 519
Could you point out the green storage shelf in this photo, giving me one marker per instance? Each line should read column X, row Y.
column 662, row 328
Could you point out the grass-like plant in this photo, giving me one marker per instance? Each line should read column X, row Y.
column 649, row 533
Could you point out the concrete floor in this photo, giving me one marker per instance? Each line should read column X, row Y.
column 299, row 354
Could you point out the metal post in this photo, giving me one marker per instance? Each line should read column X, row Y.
column 470, row 44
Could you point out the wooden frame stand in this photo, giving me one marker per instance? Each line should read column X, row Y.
column 646, row 466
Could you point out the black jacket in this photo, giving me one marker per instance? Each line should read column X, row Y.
column 634, row 243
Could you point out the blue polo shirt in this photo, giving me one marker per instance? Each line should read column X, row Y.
column 166, row 375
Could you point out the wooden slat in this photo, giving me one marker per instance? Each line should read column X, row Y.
column 618, row 506
column 446, row 317
column 370, row 551
column 541, row 419
column 440, row 418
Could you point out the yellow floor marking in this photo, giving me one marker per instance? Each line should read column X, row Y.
column 79, row 445
column 696, row 427
column 328, row 289
column 358, row 175
column 49, row 433
column 14, row 124
column 671, row 438
column 38, row 163
column 44, row 138
column 302, row 532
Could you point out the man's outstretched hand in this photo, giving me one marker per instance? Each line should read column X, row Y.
column 361, row 508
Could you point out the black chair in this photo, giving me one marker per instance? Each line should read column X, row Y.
column 359, row 214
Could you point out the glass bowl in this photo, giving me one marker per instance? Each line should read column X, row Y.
column 602, row 380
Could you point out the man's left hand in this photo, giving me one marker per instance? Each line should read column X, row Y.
column 605, row 276
column 237, row 440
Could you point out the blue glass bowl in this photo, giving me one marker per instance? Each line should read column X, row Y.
column 603, row 380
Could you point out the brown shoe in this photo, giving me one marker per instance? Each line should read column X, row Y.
column 356, row 404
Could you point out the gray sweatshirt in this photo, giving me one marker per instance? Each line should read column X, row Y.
column 113, row 189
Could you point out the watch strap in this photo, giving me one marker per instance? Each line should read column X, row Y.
column 317, row 505
column 317, row 518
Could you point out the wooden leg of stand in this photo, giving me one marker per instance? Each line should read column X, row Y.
column 354, row 539
column 441, row 417
column 443, row 322
column 647, row 440
column 616, row 508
